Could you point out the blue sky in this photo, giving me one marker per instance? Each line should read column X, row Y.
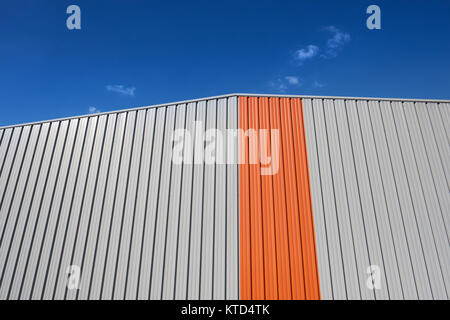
column 136, row 53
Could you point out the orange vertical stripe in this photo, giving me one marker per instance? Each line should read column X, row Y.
column 305, row 204
column 277, row 244
column 256, row 240
column 295, row 248
column 284, row 268
column 270, row 259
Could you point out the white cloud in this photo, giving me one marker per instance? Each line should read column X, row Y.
column 285, row 83
column 336, row 42
column 121, row 89
column 292, row 80
column 306, row 53
column 316, row 84
column 93, row 110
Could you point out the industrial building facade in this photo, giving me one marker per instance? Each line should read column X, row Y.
column 275, row 197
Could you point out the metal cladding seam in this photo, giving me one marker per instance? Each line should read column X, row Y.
column 276, row 208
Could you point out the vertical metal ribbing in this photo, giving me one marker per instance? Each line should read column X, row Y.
column 406, row 285
column 49, row 274
column 174, row 208
column 137, row 169
column 171, row 228
column 11, row 266
column 196, row 206
column 22, row 184
column 135, row 257
column 131, row 164
column 92, row 215
column 84, row 216
column 27, row 277
column 107, row 284
column 165, row 176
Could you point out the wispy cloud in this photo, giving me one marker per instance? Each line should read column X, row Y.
column 93, row 110
column 121, row 89
column 306, row 53
column 284, row 83
column 292, row 80
column 336, row 42
column 317, row 84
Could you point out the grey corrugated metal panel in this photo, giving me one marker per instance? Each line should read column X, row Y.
column 182, row 262
column 159, row 242
column 9, row 233
column 329, row 204
column 435, row 162
column 16, row 264
column 77, row 201
column 440, row 136
column 232, row 205
column 381, row 211
column 353, row 199
column 141, row 221
column 88, row 258
column 10, row 266
column 433, row 208
column 444, row 111
column 128, row 210
column 9, row 180
column 6, row 170
column 219, row 218
column 149, row 231
column 55, row 271
column 84, row 216
column 43, row 209
column 344, row 225
column 403, row 286
column 196, row 208
column 418, row 200
column 393, row 171
column 2, row 131
column 6, row 141
column 53, row 215
column 173, row 212
column 406, row 209
column 365, row 193
column 317, row 196
column 117, row 210
column 96, row 187
column 207, row 227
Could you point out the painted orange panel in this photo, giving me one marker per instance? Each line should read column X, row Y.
column 270, row 243
column 305, row 204
column 277, row 244
column 283, row 254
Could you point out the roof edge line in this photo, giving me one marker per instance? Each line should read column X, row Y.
column 117, row 111
column 220, row 97
column 342, row 97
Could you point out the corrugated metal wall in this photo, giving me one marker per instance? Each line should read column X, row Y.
column 102, row 193
column 380, row 175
